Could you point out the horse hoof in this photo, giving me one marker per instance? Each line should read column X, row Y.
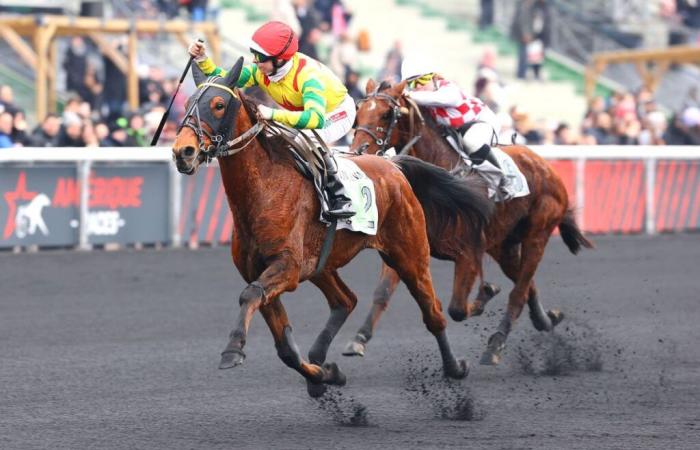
column 334, row 375
column 491, row 290
column 457, row 314
column 490, row 359
column 458, row 371
column 315, row 390
column 354, row 348
column 492, row 355
column 555, row 316
column 231, row 359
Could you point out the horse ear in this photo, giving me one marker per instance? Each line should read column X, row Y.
column 399, row 88
column 234, row 74
column 198, row 75
column 371, row 85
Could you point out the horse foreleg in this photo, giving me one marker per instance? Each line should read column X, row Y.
column 382, row 294
column 532, row 250
column 288, row 351
column 280, row 276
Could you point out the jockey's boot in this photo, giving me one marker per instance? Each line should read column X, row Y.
column 484, row 154
column 340, row 205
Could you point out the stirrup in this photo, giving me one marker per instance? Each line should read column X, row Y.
column 341, row 212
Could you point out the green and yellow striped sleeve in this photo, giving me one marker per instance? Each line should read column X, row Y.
column 246, row 79
column 313, row 115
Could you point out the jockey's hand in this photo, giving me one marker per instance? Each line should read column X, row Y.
column 265, row 112
column 198, row 51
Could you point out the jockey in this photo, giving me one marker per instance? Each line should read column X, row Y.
column 309, row 94
column 451, row 107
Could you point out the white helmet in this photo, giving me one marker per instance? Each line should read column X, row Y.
column 413, row 67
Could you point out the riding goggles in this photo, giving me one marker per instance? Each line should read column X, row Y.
column 260, row 57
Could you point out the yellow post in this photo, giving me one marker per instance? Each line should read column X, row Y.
column 132, row 77
column 41, row 76
column 51, row 95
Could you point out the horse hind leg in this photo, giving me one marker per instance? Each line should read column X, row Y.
column 522, row 271
column 382, row 294
column 466, row 271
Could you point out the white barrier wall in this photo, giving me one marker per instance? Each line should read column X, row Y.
column 86, row 196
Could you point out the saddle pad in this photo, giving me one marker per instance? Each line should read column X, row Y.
column 360, row 189
column 505, row 183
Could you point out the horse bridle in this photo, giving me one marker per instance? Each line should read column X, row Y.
column 219, row 146
column 395, row 116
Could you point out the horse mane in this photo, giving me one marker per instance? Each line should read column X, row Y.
column 274, row 145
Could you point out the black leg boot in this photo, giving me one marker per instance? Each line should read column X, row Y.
column 484, row 154
column 340, row 204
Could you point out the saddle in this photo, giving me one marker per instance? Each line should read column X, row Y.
column 307, row 155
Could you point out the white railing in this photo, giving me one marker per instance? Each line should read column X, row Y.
column 84, row 157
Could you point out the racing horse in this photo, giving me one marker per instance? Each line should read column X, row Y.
column 278, row 236
column 515, row 237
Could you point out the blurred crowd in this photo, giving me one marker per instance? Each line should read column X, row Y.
column 96, row 113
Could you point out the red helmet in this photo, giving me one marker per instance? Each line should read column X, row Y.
column 275, row 40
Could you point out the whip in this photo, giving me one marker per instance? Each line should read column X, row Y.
column 154, row 141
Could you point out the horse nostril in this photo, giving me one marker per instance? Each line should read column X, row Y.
column 188, row 151
column 363, row 147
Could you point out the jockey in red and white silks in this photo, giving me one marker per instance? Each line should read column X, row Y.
column 451, row 107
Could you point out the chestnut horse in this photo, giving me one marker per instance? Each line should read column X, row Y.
column 515, row 236
column 278, row 236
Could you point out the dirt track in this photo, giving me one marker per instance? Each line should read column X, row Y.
column 119, row 350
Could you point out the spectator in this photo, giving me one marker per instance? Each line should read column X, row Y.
column 89, row 136
column 563, row 135
column 531, row 30
column 115, row 96
column 72, row 133
column 488, row 86
column 310, row 22
column 19, row 129
column 352, row 79
column 75, row 66
column 7, row 99
column 102, row 134
column 46, row 135
column 6, row 121
column 136, row 131
column 602, row 129
column 486, row 14
column 283, row 11
column 343, row 56
column 392, row 65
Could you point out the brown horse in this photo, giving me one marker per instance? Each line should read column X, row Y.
column 515, row 236
column 278, row 236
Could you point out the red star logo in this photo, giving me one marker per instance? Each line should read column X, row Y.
column 11, row 197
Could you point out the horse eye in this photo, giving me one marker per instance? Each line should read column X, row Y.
column 387, row 115
column 219, row 106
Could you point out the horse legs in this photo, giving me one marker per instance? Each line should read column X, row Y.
column 280, row 276
column 382, row 294
column 532, row 249
column 466, row 271
column 508, row 257
column 341, row 301
column 276, row 318
column 414, row 271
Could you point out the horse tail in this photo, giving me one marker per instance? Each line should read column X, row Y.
column 447, row 200
column 571, row 233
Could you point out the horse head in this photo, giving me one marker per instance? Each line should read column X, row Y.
column 209, row 122
column 378, row 116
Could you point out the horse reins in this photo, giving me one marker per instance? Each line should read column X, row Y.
column 395, row 116
column 217, row 148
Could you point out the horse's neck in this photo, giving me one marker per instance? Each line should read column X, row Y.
column 433, row 148
column 251, row 178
